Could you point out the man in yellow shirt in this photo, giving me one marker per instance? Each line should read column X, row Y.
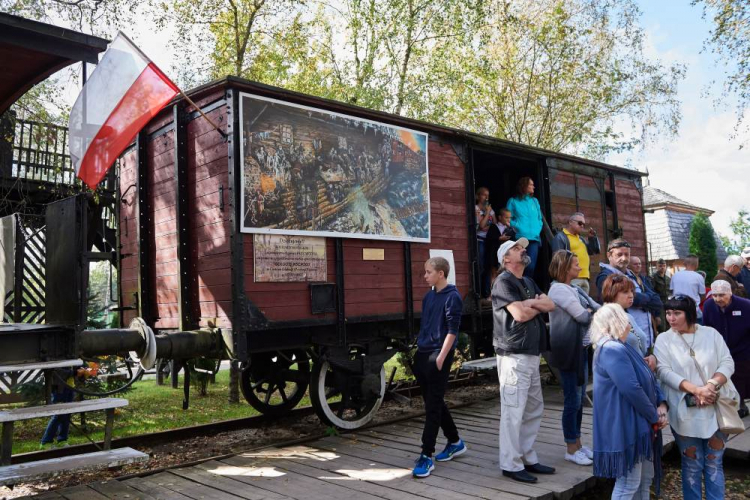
column 570, row 239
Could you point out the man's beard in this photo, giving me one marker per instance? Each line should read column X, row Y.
column 525, row 260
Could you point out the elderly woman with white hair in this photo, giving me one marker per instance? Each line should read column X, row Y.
column 629, row 409
column 732, row 267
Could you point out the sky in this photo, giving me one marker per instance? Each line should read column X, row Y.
column 703, row 165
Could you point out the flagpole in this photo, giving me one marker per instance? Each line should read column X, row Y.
column 209, row 120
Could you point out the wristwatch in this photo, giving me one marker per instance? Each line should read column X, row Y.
column 714, row 383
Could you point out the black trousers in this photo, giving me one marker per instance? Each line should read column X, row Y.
column 433, row 383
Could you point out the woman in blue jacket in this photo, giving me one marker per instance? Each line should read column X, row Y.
column 527, row 220
column 629, row 409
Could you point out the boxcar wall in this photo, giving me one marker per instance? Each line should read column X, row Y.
column 186, row 264
column 181, row 246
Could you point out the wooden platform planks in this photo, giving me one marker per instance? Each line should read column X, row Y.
column 738, row 445
column 369, row 464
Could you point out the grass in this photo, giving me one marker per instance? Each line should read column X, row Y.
column 154, row 408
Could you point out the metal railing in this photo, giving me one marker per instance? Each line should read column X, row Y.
column 40, row 153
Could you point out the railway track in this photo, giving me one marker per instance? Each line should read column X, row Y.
column 157, row 438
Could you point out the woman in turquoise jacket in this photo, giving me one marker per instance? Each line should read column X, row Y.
column 526, row 218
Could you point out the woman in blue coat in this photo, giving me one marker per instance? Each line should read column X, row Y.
column 526, row 219
column 629, row 409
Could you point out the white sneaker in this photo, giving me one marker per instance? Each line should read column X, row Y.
column 588, row 452
column 578, row 458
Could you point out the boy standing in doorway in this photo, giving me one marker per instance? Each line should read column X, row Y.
column 436, row 343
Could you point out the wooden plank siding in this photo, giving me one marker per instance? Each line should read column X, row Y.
column 128, row 271
column 586, row 197
column 630, row 216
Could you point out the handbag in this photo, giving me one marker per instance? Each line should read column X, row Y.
column 726, row 408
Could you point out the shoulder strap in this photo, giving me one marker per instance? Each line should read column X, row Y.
column 692, row 355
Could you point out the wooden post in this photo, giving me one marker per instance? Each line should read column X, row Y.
column 174, row 369
column 160, row 372
column 110, row 413
column 7, row 445
column 234, row 381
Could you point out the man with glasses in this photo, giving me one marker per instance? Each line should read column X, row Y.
column 570, row 239
column 645, row 301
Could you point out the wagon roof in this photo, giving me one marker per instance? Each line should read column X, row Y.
column 361, row 112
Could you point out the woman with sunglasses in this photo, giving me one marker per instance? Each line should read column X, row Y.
column 569, row 345
column 691, row 394
column 619, row 289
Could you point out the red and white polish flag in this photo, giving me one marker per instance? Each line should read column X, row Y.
column 123, row 93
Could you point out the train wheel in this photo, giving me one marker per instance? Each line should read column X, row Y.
column 275, row 382
column 344, row 399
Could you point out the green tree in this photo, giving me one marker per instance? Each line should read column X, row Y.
column 730, row 40
column 702, row 242
column 740, row 237
column 562, row 75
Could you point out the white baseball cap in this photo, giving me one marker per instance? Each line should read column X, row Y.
column 522, row 242
column 746, row 253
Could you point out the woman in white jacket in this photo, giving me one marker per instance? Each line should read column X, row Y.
column 692, row 413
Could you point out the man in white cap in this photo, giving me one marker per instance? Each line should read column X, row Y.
column 730, row 316
column 744, row 276
column 519, row 336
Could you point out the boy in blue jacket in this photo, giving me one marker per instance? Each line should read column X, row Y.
column 438, row 336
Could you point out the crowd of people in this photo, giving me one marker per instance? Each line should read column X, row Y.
column 664, row 351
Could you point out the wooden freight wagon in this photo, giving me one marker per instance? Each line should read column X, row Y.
column 216, row 226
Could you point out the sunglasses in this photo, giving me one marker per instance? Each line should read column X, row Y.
column 580, row 223
column 678, row 297
column 620, row 244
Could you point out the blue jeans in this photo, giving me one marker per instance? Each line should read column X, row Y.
column 701, row 462
column 636, row 483
column 533, row 252
column 58, row 425
column 573, row 402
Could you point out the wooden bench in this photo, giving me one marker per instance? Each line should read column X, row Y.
column 9, row 417
column 13, row 474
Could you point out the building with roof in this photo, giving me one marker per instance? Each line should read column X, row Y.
column 668, row 221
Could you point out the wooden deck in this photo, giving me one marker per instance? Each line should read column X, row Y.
column 738, row 445
column 369, row 464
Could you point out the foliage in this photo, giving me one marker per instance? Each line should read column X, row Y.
column 702, row 242
column 740, row 238
column 562, row 75
column 45, row 102
column 559, row 75
column 730, row 39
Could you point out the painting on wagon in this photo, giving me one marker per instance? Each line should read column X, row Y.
column 306, row 171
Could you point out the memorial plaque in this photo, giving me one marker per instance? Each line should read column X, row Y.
column 289, row 258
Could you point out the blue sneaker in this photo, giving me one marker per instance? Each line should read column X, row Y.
column 423, row 466
column 451, row 451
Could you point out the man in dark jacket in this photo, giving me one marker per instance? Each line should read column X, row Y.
column 570, row 239
column 730, row 316
column 660, row 282
column 646, row 303
column 519, row 336
column 744, row 276
column 732, row 267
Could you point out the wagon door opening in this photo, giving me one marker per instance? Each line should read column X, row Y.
column 500, row 175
